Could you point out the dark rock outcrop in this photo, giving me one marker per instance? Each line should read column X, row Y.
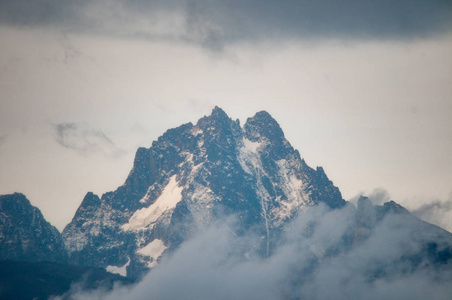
column 24, row 233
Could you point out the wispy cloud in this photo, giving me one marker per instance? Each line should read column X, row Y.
column 84, row 140
column 377, row 196
column 437, row 212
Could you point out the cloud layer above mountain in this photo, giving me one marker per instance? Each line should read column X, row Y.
column 215, row 23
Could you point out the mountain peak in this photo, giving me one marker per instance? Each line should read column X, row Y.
column 190, row 177
column 217, row 120
column 217, row 115
column 29, row 236
column 262, row 124
column 264, row 115
column 16, row 201
column 16, row 196
column 217, row 111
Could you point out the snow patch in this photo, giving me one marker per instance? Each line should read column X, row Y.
column 251, row 146
column 196, row 131
column 200, row 203
column 171, row 195
column 290, row 184
column 293, row 188
column 249, row 155
column 119, row 270
column 154, row 251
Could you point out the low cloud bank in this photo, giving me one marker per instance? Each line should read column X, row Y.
column 323, row 254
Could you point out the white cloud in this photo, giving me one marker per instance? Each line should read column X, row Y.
column 312, row 261
column 436, row 212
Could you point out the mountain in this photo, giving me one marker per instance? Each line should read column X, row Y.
column 423, row 243
column 233, row 209
column 190, row 177
column 363, row 252
column 24, row 233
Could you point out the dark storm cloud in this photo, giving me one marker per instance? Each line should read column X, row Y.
column 84, row 140
column 39, row 12
column 215, row 23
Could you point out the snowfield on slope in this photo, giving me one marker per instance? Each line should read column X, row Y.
column 141, row 219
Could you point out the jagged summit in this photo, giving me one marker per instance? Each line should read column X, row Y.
column 190, row 177
column 218, row 112
column 217, row 115
column 217, row 125
column 263, row 125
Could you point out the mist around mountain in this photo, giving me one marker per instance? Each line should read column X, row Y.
column 216, row 210
column 364, row 252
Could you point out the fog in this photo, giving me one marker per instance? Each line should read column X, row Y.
column 323, row 254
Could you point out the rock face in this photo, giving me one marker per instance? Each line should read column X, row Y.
column 24, row 233
column 190, row 177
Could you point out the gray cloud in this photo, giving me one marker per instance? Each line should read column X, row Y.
column 436, row 212
column 216, row 23
column 311, row 262
column 378, row 196
column 84, row 140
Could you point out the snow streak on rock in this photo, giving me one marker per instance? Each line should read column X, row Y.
column 147, row 216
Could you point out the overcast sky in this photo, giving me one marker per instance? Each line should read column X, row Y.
column 362, row 88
